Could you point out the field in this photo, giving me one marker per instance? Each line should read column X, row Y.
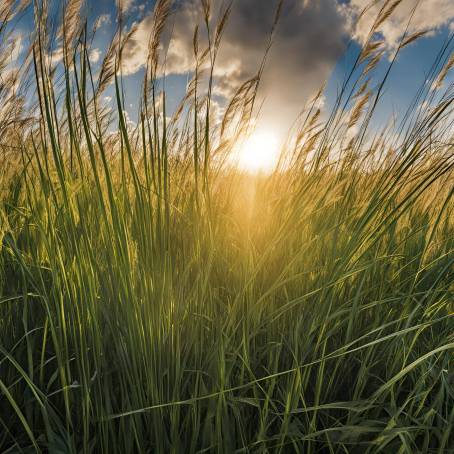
column 156, row 298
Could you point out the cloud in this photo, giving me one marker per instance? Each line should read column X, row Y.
column 135, row 53
column 428, row 15
column 177, row 43
column 95, row 54
column 10, row 73
column 104, row 20
column 310, row 37
column 15, row 46
column 126, row 4
column 57, row 55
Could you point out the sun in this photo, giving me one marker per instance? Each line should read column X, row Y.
column 259, row 153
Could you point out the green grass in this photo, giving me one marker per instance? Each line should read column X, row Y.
column 152, row 299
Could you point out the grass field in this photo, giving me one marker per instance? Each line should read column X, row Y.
column 155, row 298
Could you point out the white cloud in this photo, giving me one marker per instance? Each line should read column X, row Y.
column 57, row 55
column 129, row 123
column 136, row 50
column 95, row 55
column 15, row 46
column 428, row 15
column 104, row 20
column 126, row 4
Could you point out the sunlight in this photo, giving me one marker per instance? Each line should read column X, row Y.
column 259, row 153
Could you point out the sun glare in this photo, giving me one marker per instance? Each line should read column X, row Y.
column 259, row 153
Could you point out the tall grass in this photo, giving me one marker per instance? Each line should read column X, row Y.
column 155, row 299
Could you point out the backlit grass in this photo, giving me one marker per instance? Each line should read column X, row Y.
column 154, row 298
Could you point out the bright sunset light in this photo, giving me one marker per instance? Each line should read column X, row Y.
column 259, row 152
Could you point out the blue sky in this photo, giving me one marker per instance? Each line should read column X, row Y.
column 310, row 48
column 408, row 73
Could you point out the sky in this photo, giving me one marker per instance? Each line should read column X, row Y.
column 314, row 42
